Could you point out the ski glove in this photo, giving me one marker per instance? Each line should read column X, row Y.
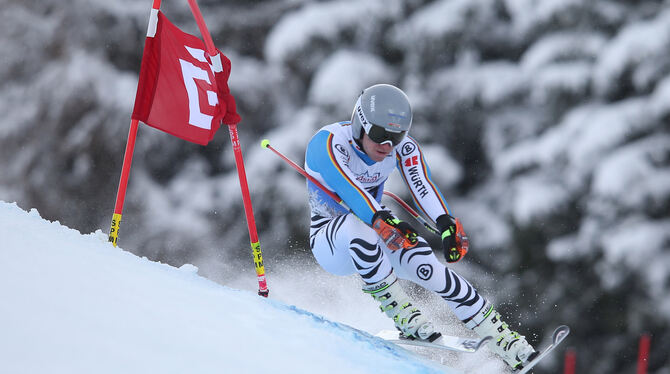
column 454, row 241
column 395, row 233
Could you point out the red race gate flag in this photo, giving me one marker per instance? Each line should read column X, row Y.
column 182, row 89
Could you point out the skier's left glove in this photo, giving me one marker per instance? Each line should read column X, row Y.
column 395, row 233
column 454, row 241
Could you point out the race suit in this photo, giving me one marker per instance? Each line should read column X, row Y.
column 341, row 238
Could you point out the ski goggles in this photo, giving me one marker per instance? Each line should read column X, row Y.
column 381, row 135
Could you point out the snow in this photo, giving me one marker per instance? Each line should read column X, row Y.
column 529, row 14
column 566, row 248
column 585, row 134
column 486, row 229
column 633, row 47
column 660, row 100
column 339, row 79
column 18, row 25
column 535, row 197
column 445, row 171
column 635, row 175
column 568, row 78
column 640, row 246
column 72, row 303
column 321, row 21
column 491, row 83
column 645, row 240
column 562, row 46
column 561, row 62
column 438, row 19
column 598, row 130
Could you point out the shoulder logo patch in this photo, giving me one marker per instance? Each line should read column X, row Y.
column 340, row 148
column 408, row 148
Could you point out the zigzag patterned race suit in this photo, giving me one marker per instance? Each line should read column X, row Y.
column 343, row 242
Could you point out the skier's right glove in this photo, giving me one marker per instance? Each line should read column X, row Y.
column 395, row 233
column 454, row 241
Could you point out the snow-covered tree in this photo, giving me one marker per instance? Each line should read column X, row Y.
column 547, row 121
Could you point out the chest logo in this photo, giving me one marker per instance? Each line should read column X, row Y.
column 340, row 148
column 367, row 178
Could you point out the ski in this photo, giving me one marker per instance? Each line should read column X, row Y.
column 559, row 334
column 446, row 342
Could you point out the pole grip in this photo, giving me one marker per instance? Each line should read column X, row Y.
column 260, row 269
column 114, row 229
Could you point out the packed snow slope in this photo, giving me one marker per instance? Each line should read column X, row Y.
column 73, row 303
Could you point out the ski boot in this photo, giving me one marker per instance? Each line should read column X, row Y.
column 396, row 304
column 508, row 344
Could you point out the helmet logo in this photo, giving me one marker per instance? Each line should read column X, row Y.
column 372, row 102
column 391, row 114
column 361, row 115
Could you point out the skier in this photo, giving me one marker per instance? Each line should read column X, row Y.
column 354, row 159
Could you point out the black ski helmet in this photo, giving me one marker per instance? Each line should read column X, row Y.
column 383, row 112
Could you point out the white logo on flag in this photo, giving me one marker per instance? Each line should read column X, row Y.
column 190, row 73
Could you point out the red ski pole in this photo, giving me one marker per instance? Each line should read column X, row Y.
column 412, row 212
column 643, row 354
column 239, row 162
column 266, row 144
column 130, row 148
column 570, row 361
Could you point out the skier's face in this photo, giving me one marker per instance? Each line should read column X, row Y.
column 377, row 152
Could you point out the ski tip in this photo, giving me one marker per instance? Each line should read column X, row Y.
column 265, row 143
column 560, row 333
